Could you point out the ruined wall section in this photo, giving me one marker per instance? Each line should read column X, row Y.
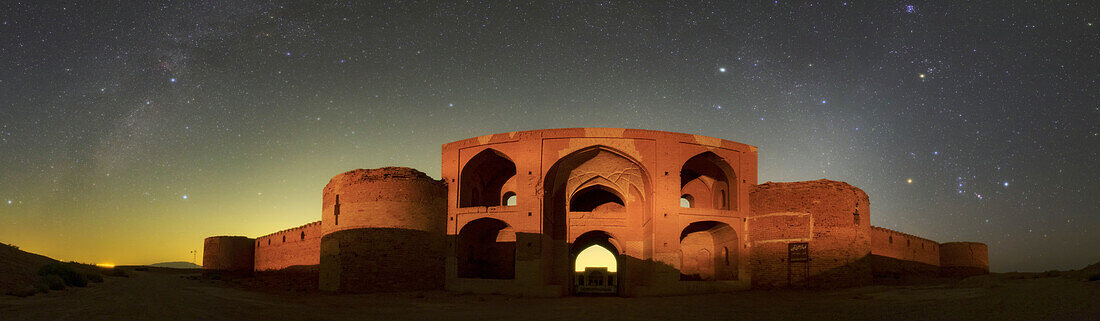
column 382, row 230
column 296, row 246
column 228, row 254
column 897, row 245
column 962, row 259
column 833, row 217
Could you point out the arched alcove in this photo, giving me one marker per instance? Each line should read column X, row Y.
column 706, row 253
column 709, row 181
column 486, row 250
column 483, row 177
column 592, row 197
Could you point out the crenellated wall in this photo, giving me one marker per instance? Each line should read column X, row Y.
column 833, row 217
column 296, row 246
column 897, row 245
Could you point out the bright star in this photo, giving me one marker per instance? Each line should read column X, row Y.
column 9, row 201
column 288, row 53
column 172, row 80
column 921, row 76
column 721, row 69
column 909, row 181
column 185, row 197
column 823, row 101
column 1006, row 184
column 450, row 105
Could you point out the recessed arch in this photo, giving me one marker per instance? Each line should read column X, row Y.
column 595, row 166
column 509, row 199
column 486, row 249
column 710, row 180
column 483, row 177
column 595, row 196
column 705, row 252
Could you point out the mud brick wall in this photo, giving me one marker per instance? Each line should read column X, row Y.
column 833, row 217
column 962, row 259
column 228, row 253
column 897, row 245
column 297, row 246
column 381, row 260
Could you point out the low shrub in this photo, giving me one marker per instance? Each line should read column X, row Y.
column 54, row 282
column 41, row 285
column 70, row 276
column 94, row 277
column 114, row 272
column 24, row 292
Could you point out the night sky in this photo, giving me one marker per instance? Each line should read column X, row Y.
column 129, row 131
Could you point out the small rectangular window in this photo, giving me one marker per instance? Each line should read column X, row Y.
column 855, row 218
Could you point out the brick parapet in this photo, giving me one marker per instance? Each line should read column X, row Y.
column 294, row 246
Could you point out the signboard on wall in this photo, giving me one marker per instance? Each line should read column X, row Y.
column 798, row 252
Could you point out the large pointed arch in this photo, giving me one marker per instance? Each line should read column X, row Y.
column 594, row 167
column 482, row 179
column 709, row 182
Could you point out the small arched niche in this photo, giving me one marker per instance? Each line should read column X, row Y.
column 509, row 199
column 687, row 201
column 482, row 179
column 709, row 181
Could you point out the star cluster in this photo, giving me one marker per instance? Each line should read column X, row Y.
column 133, row 121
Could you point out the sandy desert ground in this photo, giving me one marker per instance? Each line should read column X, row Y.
column 161, row 295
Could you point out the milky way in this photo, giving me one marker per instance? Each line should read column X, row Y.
column 130, row 131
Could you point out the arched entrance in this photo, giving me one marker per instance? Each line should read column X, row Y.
column 596, row 265
column 486, row 250
column 592, row 189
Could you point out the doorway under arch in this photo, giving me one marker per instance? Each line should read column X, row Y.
column 596, row 265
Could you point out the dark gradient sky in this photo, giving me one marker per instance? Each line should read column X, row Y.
column 130, row 131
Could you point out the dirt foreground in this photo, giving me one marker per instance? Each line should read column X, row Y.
column 160, row 295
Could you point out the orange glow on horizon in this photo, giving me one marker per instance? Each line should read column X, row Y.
column 106, row 265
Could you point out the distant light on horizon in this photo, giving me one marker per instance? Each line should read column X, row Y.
column 106, row 265
column 596, row 256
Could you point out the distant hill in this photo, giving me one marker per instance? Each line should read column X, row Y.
column 177, row 265
column 19, row 269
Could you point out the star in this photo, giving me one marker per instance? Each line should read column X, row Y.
column 921, row 76
column 721, row 69
column 1006, row 184
column 909, row 181
column 185, row 196
column 9, row 201
column 172, row 80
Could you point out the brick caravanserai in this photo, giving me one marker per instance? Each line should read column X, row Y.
column 679, row 214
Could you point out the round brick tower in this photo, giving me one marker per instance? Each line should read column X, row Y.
column 382, row 230
column 232, row 254
column 962, row 259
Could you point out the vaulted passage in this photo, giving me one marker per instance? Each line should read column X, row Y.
column 482, row 180
column 486, row 250
column 595, row 264
column 708, row 252
column 705, row 182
